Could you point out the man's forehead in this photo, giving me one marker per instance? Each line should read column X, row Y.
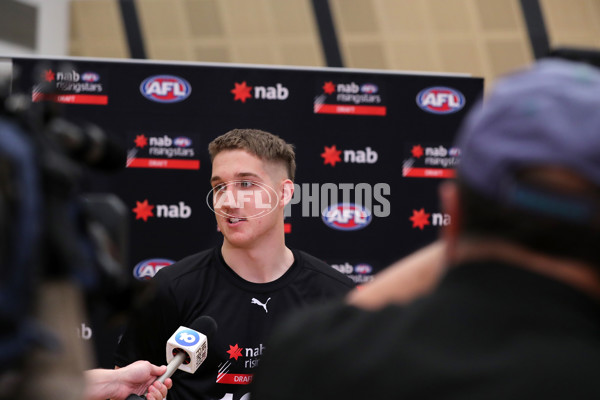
column 253, row 165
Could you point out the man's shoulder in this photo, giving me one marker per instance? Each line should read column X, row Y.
column 319, row 268
column 193, row 263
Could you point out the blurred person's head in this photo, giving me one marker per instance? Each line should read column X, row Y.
column 530, row 163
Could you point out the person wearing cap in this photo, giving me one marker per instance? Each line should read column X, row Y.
column 516, row 313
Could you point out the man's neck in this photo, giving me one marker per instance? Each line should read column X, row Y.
column 572, row 272
column 258, row 264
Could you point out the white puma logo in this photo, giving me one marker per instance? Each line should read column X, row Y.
column 263, row 305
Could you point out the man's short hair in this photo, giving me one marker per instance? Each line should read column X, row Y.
column 262, row 144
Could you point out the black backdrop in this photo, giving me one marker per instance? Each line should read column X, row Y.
column 391, row 131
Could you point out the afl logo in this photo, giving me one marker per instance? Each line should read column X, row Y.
column 440, row 100
column 187, row 337
column 90, row 77
column 165, row 88
column 363, row 269
column 369, row 88
column 182, row 141
column 346, row 217
column 146, row 269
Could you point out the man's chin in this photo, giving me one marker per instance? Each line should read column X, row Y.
column 237, row 241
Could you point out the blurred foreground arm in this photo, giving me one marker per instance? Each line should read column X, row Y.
column 404, row 280
column 136, row 378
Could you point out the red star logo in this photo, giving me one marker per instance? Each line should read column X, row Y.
column 329, row 87
column 235, row 351
column 48, row 75
column 143, row 210
column 140, row 141
column 331, row 155
column 420, row 219
column 417, row 151
column 241, row 92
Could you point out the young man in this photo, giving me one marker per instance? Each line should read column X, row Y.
column 247, row 285
column 516, row 314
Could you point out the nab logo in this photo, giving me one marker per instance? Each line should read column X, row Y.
column 420, row 219
column 346, row 217
column 331, row 155
column 243, row 92
column 144, row 210
column 187, row 337
column 145, row 270
column 165, row 88
column 440, row 100
column 90, row 77
column 348, row 269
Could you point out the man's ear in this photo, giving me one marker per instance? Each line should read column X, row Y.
column 287, row 191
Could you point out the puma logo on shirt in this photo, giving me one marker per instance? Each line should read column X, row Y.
column 263, row 305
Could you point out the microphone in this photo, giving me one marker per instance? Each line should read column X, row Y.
column 187, row 348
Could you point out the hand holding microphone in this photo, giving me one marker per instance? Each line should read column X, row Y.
column 137, row 377
column 187, row 348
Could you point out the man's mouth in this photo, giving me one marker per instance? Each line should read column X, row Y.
column 235, row 220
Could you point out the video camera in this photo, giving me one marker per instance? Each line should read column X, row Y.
column 49, row 229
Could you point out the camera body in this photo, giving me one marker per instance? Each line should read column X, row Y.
column 51, row 232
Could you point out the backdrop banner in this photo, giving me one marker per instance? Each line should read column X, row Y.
column 371, row 146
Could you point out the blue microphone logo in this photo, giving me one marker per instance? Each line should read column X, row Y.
column 187, row 338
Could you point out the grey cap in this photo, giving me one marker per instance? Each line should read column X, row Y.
column 548, row 114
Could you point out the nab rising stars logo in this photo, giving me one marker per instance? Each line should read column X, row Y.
column 346, row 217
column 440, row 100
column 165, row 88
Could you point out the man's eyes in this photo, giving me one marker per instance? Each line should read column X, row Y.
column 237, row 184
column 245, row 184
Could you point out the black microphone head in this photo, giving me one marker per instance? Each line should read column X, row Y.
column 206, row 325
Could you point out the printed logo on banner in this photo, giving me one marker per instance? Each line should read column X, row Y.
column 420, row 219
column 440, row 100
column 146, row 269
column 90, row 77
column 70, row 86
column 349, row 98
column 85, row 332
column 144, row 210
column 242, row 92
column 430, row 161
column 165, row 88
column 331, row 155
column 163, row 151
column 360, row 273
column 346, row 217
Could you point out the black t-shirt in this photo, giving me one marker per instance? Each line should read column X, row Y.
column 490, row 331
column 245, row 312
